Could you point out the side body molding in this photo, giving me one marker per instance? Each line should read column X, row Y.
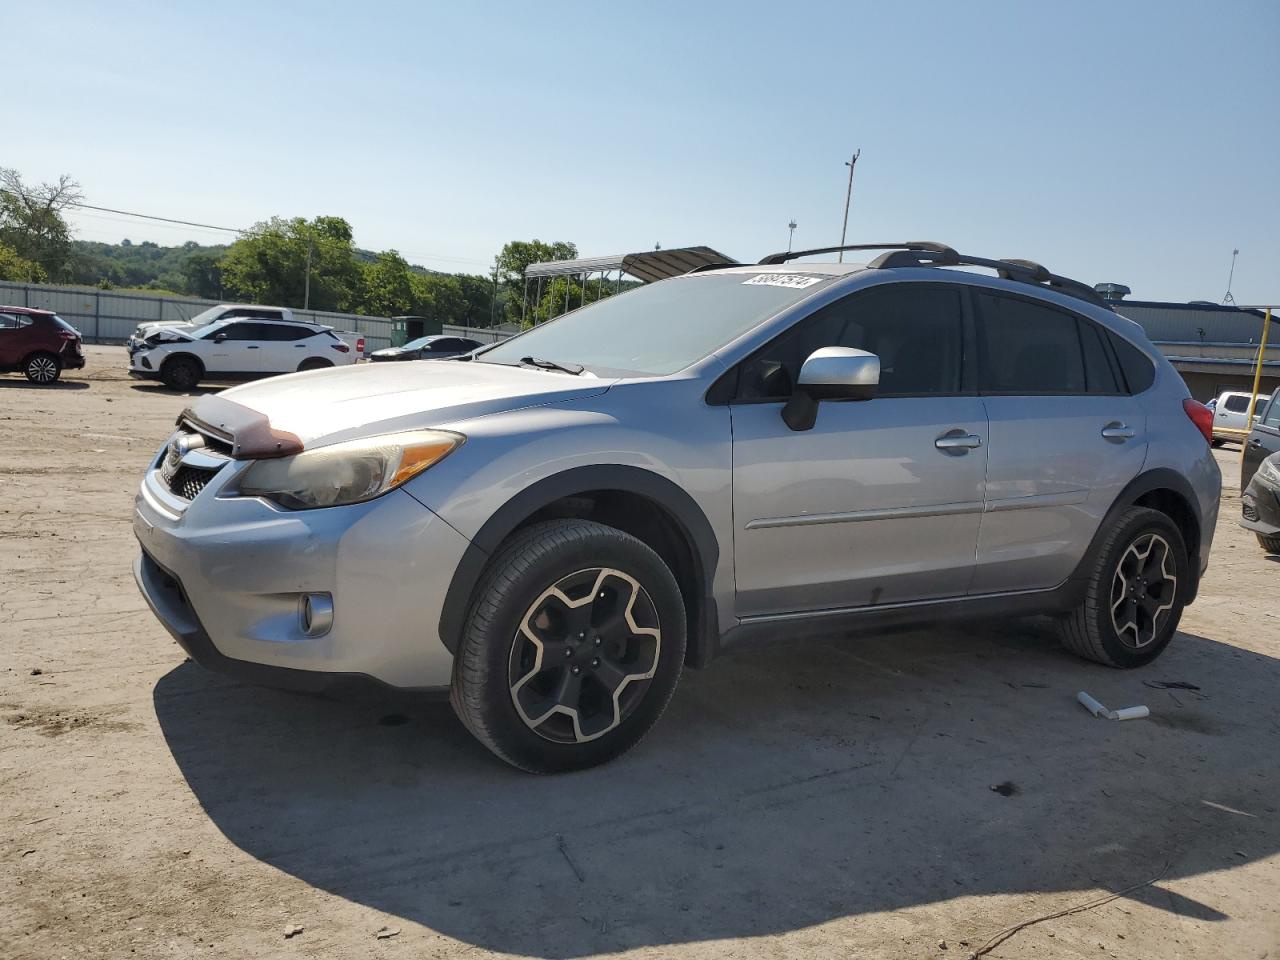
column 664, row 493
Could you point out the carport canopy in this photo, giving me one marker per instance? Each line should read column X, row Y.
column 648, row 266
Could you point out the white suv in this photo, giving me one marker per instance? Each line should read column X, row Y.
column 239, row 348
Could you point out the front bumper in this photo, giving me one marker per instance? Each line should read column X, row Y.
column 1260, row 506
column 225, row 576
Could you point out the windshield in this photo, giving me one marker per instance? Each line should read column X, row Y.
column 206, row 317
column 660, row 328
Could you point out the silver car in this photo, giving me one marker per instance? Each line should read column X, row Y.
column 551, row 529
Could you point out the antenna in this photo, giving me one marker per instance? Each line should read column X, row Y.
column 790, row 236
column 850, row 163
column 1231, row 276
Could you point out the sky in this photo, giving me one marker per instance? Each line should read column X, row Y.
column 1130, row 142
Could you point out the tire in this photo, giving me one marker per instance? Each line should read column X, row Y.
column 42, row 368
column 1155, row 570
column 1269, row 544
column 313, row 363
column 513, row 698
column 1215, row 443
column 180, row 373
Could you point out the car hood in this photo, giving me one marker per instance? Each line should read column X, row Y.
column 280, row 415
column 145, row 330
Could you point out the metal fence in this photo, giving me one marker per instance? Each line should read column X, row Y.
column 109, row 316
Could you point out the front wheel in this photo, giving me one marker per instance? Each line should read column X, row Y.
column 572, row 648
column 180, row 373
column 1135, row 592
column 42, row 368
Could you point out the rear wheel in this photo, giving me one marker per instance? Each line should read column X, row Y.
column 180, row 373
column 1269, row 544
column 313, row 363
column 42, row 368
column 1135, row 592
column 572, row 649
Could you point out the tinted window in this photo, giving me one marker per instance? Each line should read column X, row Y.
column 245, row 331
column 1236, row 404
column 1028, row 349
column 1100, row 375
column 1272, row 418
column 446, row 345
column 917, row 332
column 1139, row 372
column 284, row 331
column 9, row 321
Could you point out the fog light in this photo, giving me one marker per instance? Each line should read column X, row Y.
column 315, row 613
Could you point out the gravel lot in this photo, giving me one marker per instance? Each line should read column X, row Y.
column 811, row 799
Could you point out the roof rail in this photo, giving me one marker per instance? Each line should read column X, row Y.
column 921, row 246
column 926, row 253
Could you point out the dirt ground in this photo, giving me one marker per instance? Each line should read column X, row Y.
column 813, row 799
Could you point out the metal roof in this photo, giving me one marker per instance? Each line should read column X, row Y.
column 648, row 266
column 1190, row 322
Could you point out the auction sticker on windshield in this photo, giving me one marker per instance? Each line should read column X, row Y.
column 783, row 280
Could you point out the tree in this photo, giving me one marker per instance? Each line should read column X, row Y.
column 201, row 274
column 511, row 262
column 387, row 290
column 31, row 221
column 295, row 262
column 19, row 269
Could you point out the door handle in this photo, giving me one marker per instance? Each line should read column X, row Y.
column 299, row 346
column 251, row 348
column 1255, row 442
column 957, row 441
column 1115, row 430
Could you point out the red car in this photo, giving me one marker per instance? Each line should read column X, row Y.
column 39, row 343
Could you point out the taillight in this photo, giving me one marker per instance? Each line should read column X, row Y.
column 360, row 346
column 1201, row 416
column 341, row 347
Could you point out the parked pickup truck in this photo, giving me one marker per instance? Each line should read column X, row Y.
column 229, row 311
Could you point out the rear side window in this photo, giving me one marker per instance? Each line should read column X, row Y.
column 1237, row 403
column 14, row 321
column 1028, row 349
column 1139, row 371
column 916, row 330
column 286, row 331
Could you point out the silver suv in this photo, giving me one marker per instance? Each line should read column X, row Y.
column 554, row 527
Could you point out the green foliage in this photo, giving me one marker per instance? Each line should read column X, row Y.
column 279, row 259
column 510, row 265
column 31, row 222
column 20, row 269
column 387, row 288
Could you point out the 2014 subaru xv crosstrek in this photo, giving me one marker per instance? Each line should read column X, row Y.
column 554, row 527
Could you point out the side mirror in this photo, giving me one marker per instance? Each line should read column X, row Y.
column 831, row 373
column 219, row 338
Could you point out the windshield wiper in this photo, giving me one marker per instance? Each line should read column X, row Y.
column 542, row 364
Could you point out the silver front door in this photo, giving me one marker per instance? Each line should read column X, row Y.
column 881, row 500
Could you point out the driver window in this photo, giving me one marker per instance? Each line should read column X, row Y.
column 916, row 330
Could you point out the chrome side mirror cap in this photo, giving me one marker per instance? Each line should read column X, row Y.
column 831, row 373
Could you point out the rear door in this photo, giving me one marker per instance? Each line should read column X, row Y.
column 285, row 346
column 1066, row 437
column 13, row 338
column 866, row 507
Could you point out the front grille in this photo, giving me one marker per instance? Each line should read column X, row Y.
column 1250, row 511
column 188, row 481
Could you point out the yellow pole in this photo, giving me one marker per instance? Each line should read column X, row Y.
column 1257, row 379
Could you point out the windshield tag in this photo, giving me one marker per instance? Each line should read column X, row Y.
column 782, row 280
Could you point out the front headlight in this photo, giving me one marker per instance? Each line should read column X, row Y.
column 1269, row 470
column 349, row 472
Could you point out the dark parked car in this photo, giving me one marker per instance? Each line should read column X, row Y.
column 436, row 347
column 38, row 343
column 1260, row 504
column 1263, row 439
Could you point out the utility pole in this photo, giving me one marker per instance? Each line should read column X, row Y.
column 306, row 286
column 791, row 235
column 851, row 163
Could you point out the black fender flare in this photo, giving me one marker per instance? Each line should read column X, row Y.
column 1157, row 478
column 666, row 494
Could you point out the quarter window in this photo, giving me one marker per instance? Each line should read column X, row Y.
column 917, row 331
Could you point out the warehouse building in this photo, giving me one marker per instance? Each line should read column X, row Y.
column 1214, row 347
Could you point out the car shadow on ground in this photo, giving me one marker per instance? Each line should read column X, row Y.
column 787, row 785
column 25, row 384
column 162, row 390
